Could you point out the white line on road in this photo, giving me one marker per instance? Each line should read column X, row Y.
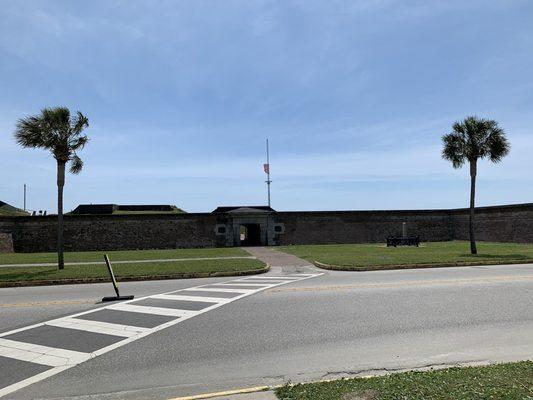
column 240, row 283
column 191, row 298
column 170, row 312
column 39, row 354
column 262, row 282
column 97, row 327
column 221, row 290
column 281, row 278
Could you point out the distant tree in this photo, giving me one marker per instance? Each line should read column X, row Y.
column 471, row 140
column 56, row 130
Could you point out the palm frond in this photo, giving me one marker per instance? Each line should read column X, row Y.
column 454, row 149
column 497, row 144
column 76, row 164
column 28, row 132
column 78, row 143
column 459, row 128
column 79, row 123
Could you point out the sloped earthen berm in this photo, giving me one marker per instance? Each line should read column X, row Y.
column 510, row 223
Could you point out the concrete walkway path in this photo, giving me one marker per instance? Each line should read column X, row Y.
column 277, row 259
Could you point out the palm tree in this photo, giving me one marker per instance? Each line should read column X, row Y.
column 55, row 129
column 471, row 140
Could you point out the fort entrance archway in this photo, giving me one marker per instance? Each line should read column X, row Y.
column 250, row 235
column 245, row 226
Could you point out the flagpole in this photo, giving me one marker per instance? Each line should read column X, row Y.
column 268, row 174
column 268, row 189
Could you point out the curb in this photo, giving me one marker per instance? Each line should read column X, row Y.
column 76, row 281
column 353, row 268
column 272, row 388
column 224, row 393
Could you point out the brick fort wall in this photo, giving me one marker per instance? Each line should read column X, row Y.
column 513, row 223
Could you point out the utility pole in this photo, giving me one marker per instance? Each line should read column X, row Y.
column 24, row 197
column 267, row 170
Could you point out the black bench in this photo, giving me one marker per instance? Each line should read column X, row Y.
column 393, row 241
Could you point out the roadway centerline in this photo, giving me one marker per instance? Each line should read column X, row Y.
column 65, row 342
column 434, row 282
column 47, row 303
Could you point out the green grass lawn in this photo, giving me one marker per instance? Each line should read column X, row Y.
column 120, row 255
column 198, row 267
column 363, row 255
column 510, row 381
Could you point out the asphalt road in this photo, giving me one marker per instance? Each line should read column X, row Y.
column 337, row 324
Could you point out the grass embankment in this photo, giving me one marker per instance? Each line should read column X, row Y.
column 10, row 276
column 161, row 270
column 510, row 381
column 7, row 210
column 120, row 255
column 361, row 256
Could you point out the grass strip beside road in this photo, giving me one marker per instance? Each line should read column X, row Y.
column 120, row 255
column 510, row 381
column 358, row 256
column 95, row 273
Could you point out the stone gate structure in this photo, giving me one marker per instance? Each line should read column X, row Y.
column 235, row 226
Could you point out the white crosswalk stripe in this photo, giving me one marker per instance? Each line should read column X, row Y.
column 191, row 298
column 171, row 312
column 261, row 281
column 241, row 283
column 97, row 327
column 222, row 290
column 276, row 278
column 38, row 354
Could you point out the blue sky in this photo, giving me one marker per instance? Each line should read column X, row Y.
column 354, row 96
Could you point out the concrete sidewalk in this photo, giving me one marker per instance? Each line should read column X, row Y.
column 276, row 258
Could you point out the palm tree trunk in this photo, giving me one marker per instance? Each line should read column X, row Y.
column 60, row 185
column 473, row 173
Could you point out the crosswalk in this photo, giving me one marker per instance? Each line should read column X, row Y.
column 36, row 352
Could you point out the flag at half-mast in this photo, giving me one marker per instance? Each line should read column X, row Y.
column 266, row 168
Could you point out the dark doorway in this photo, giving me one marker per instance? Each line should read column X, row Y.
column 250, row 235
